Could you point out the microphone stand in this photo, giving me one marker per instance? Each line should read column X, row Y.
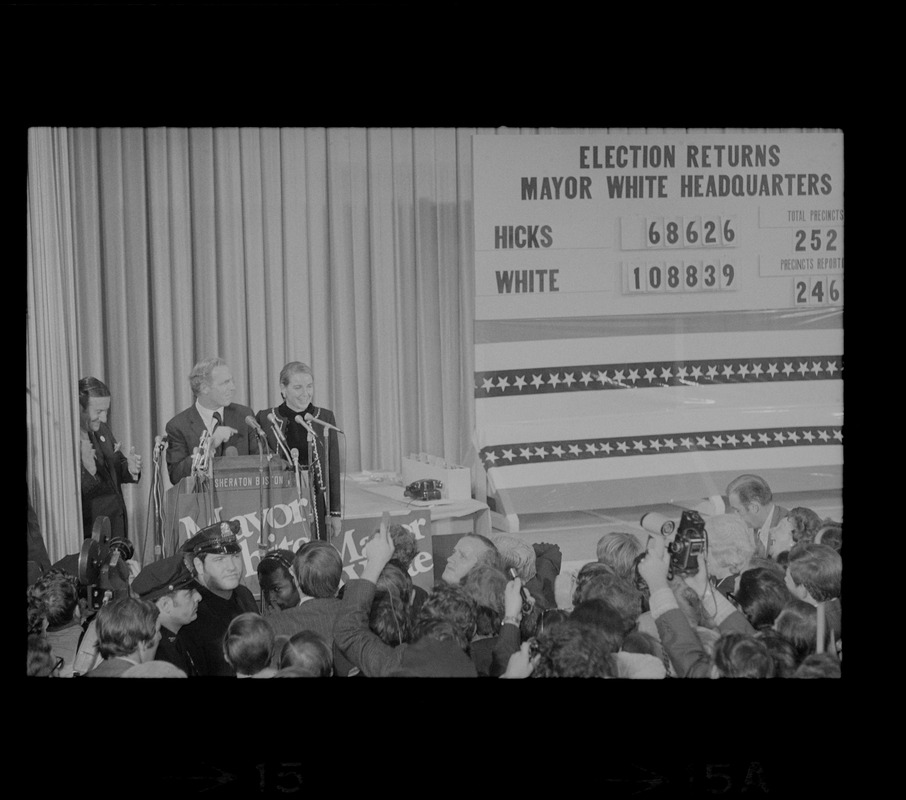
column 202, row 470
column 292, row 456
column 317, row 482
column 300, row 481
column 156, row 502
column 325, row 484
column 262, row 537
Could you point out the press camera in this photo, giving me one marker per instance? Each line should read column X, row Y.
column 686, row 541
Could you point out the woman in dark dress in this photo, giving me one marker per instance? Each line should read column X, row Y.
column 321, row 464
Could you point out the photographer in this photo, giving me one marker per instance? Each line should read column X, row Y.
column 688, row 655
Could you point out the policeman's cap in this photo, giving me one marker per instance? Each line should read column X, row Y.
column 162, row 577
column 221, row 537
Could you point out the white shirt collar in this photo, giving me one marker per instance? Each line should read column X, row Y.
column 207, row 415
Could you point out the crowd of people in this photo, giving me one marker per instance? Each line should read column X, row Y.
column 641, row 610
column 762, row 598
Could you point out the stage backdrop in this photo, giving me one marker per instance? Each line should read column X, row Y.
column 150, row 249
column 655, row 314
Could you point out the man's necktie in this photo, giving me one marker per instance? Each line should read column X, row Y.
column 218, row 420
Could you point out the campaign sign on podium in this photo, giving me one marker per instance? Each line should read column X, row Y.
column 357, row 531
column 247, row 489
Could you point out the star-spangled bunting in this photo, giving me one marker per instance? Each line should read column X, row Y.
column 735, row 440
column 594, row 377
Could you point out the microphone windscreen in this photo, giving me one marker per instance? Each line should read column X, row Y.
column 251, row 422
column 231, row 451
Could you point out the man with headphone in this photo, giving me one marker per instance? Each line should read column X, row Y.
column 104, row 465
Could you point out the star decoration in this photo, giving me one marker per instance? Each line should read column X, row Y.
column 650, row 376
column 568, row 379
column 838, row 435
column 586, row 378
column 686, row 442
column 509, row 455
column 525, row 452
column 764, row 438
column 554, row 379
column 666, row 373
column 490, row 456
column 606, row 448
column 802, row 368
column 808, row 436
column 712, row 371
column 633, row 375
column 556, row 450
column 717, row 441
column 772, row 370
column 815, row 368
column 701, row 441
column 732, row 440
column 655, row 445
column 503, row 382
column 591, row 448
column 574, row 449
column 488, row 384
column 747, row 439
column 638, row 445
column 757, row 370
column 696, row 372
column 602, row 377
column 822, row 435
column 669, row 444
column 787, row 368
column 728, row 370
column 520, row 382
column 622, row 447
column 778, row 437
column 832, row 367
column 537, row 380
column 743, row 370
column 792, row 436
column 540, row 452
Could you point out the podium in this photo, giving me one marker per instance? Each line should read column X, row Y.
column 250, row 489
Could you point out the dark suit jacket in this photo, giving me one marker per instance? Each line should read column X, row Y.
column 102, row 494
column 110, row 668
column 319, row 615
column 297, row 437
column 184, row 432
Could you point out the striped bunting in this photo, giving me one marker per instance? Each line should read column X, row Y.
column 652, row 374
column 698, row 441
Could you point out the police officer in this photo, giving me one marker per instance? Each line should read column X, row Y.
column 171, row 586
column 215, row 554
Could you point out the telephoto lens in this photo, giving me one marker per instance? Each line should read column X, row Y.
column 658, row 523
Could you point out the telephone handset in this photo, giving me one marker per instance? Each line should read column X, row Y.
column 424, row 489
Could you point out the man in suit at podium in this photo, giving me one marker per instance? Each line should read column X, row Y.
column 214, row 412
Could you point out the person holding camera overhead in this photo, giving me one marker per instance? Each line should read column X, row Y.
column 280, row 423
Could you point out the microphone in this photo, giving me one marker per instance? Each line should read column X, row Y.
column 327, row 425
column 160, row 441
column 278, row 435
column 303, row 423
column 253, row 424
